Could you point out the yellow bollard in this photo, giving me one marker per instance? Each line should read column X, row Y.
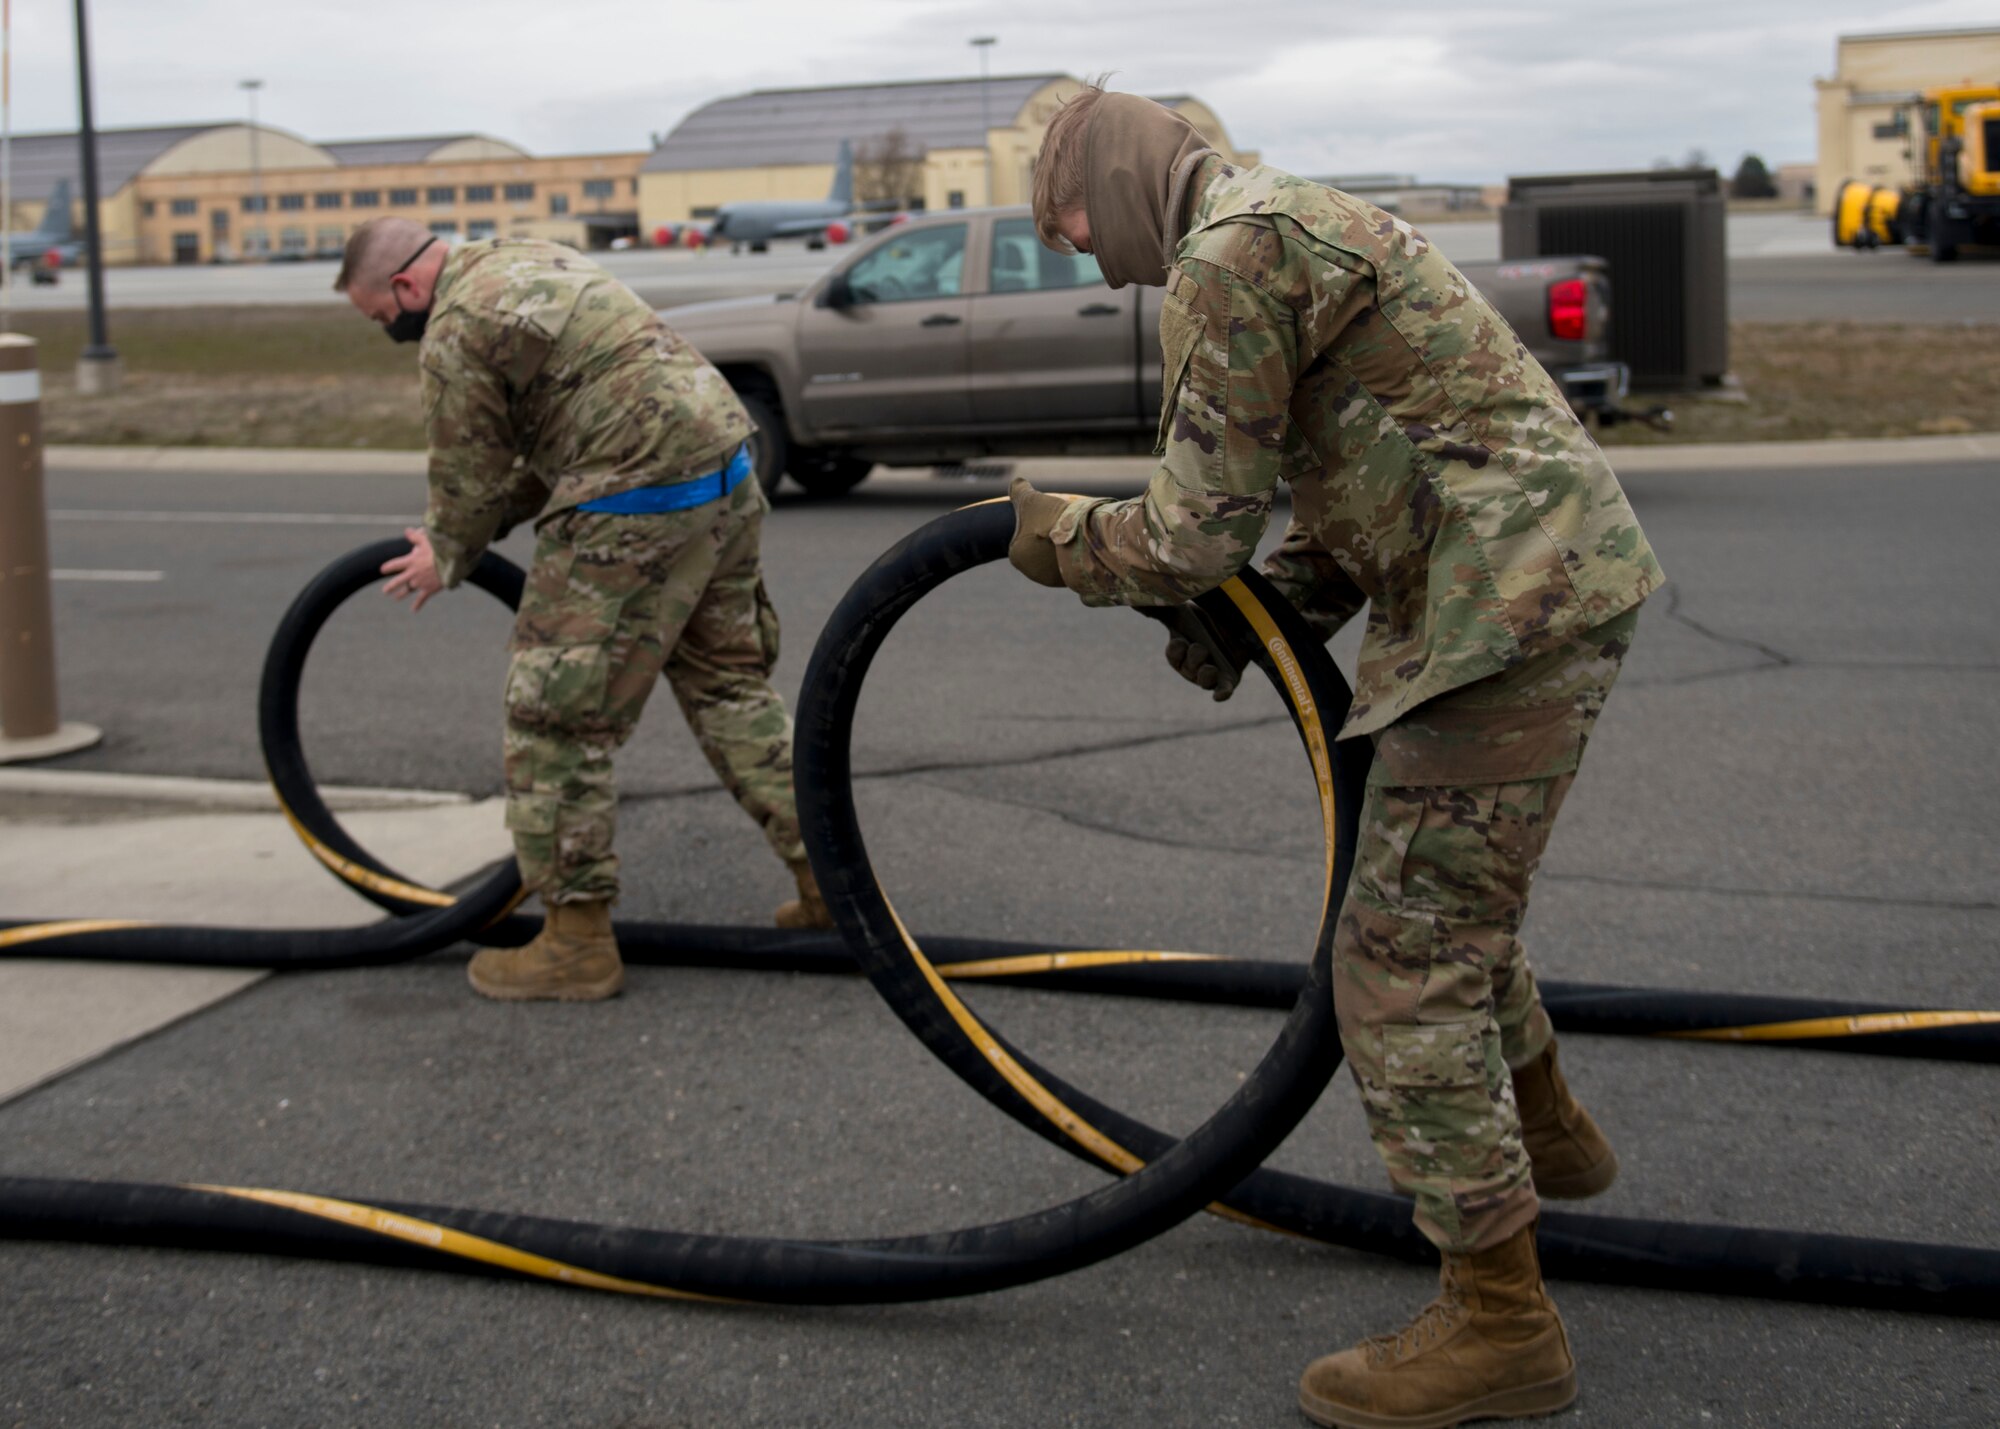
column 29, row 726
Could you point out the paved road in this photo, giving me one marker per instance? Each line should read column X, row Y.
column 1780, row 269
column 1791, row 792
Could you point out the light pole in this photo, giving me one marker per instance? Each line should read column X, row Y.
column 250, row 87
column 983, row 43
column 97, row 369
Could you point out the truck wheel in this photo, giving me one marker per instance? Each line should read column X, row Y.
column 827, row 473
column 769, row 447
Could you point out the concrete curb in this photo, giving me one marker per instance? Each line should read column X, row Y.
column 291, row 461
column 236, row 795
column 261, row 461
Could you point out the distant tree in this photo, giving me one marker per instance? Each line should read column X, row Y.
column 888, row 169
column 1752, row 180
column 1697, row 158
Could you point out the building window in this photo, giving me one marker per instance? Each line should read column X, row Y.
column 292, row 240
column 635, row 188
column 365, row 198
column 520, row 193
column 326, row 200
column 599, row 188
column 441, row 196
column 402, row 198
column 708, row 212
column 148, row 209
column 218, row 222
column 558, row 203
column 183, row 207
column 256, row 242
column 329, row 242
column 291, row 203
column 445, row 228
column 256, row 203
column 479, row 193
column 955, row 199
column 481, row 228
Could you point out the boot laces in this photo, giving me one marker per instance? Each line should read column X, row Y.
column 1427, row 1327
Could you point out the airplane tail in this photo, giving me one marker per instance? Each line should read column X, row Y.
column 55, row 218
column 842, row 191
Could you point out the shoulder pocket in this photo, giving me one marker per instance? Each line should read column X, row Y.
column 1180, row 330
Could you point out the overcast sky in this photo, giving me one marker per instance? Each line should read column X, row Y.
column 1466, row 90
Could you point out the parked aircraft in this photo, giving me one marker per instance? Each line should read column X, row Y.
column 51, row 246
column 755, row 223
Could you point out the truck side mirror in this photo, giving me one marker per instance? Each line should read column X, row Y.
column 838, row 294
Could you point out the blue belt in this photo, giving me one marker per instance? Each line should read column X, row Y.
column 679, row 495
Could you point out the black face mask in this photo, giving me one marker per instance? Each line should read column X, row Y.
column 408, row 326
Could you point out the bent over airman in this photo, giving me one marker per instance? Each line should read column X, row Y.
column 1437, row 477
column 552, row 394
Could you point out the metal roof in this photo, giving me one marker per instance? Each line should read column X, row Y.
column 349, row 152
column 805, row 126
column 41, row 159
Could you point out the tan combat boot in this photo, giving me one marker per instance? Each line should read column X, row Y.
column 808, row 910
column 1491, row 1346
column 1568, row 1154
column 573, row 959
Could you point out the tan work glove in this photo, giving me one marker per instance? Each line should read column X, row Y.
column 1031, row 552
column 1196, row 654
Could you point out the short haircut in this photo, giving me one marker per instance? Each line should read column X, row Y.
column 1059, row 169
column 376, row 249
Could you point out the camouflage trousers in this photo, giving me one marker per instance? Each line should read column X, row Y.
column 1435, row 998
column 614, row 601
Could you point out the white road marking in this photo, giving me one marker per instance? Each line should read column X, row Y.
column 237, row 518
column 60, row 573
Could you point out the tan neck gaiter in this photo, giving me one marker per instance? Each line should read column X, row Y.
column 1138, row 159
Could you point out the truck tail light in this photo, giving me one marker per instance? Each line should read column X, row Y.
column 1569, row 309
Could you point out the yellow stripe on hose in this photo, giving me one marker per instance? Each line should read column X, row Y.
column 68, row 928
column 1302, row 702
column 1011, row 1071
column 451, row 1242
column 1867, row 1024
column 367, row 878
column 1027, row 963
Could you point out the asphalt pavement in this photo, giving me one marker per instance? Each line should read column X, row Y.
column 1791, row 792
column 1782, row 268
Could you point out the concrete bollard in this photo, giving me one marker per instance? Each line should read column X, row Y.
column 29, row 726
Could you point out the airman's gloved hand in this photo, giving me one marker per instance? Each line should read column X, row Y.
column 1031, row 551
column 1196, row 655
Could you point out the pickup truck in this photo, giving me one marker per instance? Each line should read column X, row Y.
column 959, row 336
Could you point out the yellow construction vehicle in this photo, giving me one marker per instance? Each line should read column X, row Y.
column 1955, row 151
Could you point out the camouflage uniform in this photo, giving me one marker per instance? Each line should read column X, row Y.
column 536, row 354
column 1437, row 476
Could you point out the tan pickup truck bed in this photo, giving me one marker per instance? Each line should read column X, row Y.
column 959, row 336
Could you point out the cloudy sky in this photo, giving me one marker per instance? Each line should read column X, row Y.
column 1466, row 90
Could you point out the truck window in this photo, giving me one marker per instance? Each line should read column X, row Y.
column 924, row 263
column 1022, row 264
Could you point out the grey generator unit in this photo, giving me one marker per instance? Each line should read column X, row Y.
column 1662, row 233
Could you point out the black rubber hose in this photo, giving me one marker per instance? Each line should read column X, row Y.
column 1823, row 1268
column 1173, row 1183
column 1622, row 1250
column 1575, row 1007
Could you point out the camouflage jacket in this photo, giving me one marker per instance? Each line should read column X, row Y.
column 1436, row 472
column 534, row 352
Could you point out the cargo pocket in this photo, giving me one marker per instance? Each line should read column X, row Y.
column 767, row 627
column 1440, row 1085
column 1180, row 330
column 558, row 687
